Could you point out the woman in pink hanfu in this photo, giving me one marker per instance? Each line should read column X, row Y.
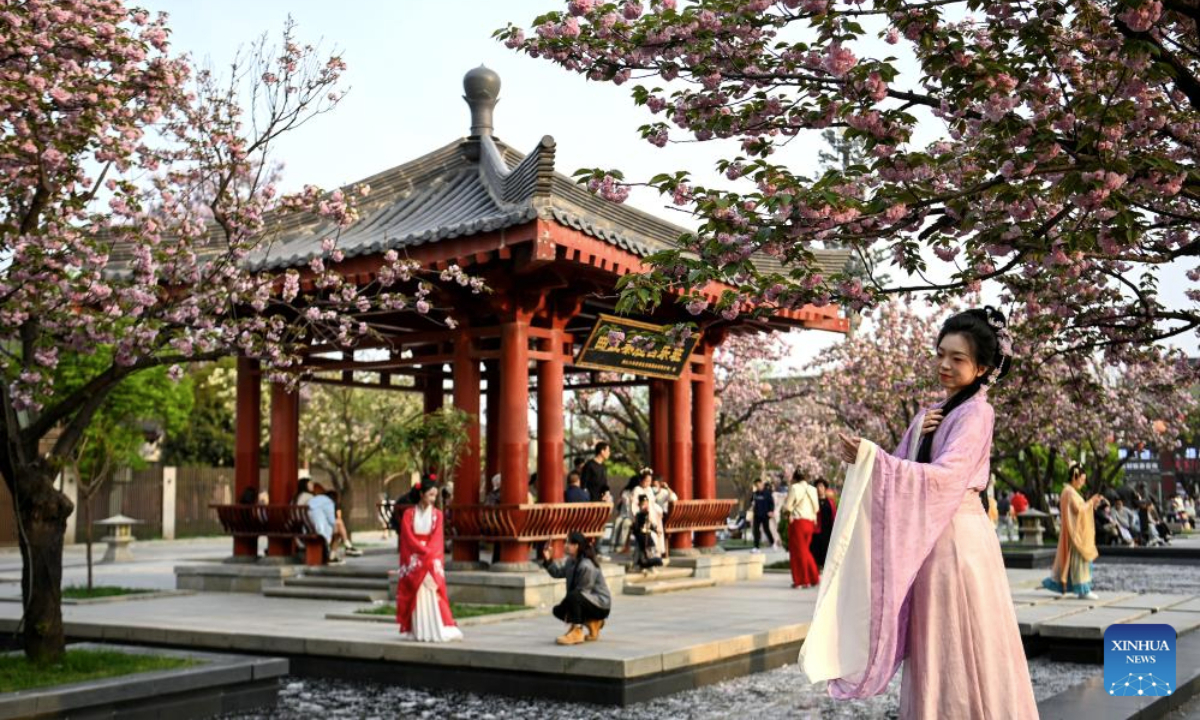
column 911, row 531
column 422, row 605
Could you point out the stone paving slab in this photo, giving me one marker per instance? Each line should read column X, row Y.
column 1154, row 602
column 1025, row 578
column 1030, row 619
column 1104, row 600
column 1090, row 701
column 1034, row 597
column 1089, row 624
column 1189, row 606
column 1183, row 622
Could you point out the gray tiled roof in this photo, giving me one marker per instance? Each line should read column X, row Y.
column 479, row 185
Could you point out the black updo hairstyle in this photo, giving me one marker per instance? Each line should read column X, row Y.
column 981, row 336
column 1074, row 470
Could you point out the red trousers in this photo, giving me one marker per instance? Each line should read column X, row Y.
column 804, row 567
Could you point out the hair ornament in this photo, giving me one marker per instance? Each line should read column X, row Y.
column 1004, row 342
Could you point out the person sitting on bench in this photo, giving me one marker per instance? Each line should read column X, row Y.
column 323, row 513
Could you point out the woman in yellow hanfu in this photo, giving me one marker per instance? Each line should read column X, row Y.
column 1076, row 540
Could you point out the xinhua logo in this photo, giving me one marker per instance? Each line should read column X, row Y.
column 1139, row 660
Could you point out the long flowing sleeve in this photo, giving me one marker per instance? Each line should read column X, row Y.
column 893, row 510
column 1079, row 524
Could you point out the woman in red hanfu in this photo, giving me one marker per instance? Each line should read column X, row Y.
column 422, row 605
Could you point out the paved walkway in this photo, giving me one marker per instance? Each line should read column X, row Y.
column 645, row 636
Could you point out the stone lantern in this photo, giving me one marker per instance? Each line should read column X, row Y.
column 119, row 537
column 1031, row 526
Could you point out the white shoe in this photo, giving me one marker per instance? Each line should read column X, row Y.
column 1091, row 596
column 753, row 551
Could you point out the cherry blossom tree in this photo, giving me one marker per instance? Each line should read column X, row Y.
column 766, row 421
column 875, row 383
column 763, row 421
column 1054, row 409
column 136, row 204
column 1049, row 408
column 1061, row 162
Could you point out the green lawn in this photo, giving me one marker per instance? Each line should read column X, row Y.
column 779, row 565
column 78, row 592
column 460, row 611
column 17, row 673
column 737, row 544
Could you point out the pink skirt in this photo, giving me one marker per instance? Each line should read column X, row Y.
column 965, row 659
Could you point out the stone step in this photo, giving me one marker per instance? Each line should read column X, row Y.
column 666, row 586
column 314, row 593
column 350, row 569
column 636, row 578
column 338, row 583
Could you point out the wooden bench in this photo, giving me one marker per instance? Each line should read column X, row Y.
column 698, row 516
column 274, row 521
column 527, row 523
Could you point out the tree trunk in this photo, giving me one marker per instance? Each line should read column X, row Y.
column 346, row 500
column 42, row 513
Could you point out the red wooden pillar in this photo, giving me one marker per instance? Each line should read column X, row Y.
column 704, row 443
column 660, row 427
column 551, row 438
column 466, row 476
column 491, row 451
column 680, row 475
column 285, row 457
column 247, row 443
column 435, row 394
column 512, row 435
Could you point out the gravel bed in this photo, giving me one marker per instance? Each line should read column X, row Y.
column 1131, row 577
column 781, row 693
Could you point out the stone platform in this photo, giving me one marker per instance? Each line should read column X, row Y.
column 532, row 589
column 216, row 684
column 1071, row 628
column 652, row 645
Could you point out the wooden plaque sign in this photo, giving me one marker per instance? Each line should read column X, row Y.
column 628, row 346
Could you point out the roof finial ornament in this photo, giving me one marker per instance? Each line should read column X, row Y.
column 481, row 88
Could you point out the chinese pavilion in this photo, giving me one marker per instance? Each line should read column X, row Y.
column 551, row 254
